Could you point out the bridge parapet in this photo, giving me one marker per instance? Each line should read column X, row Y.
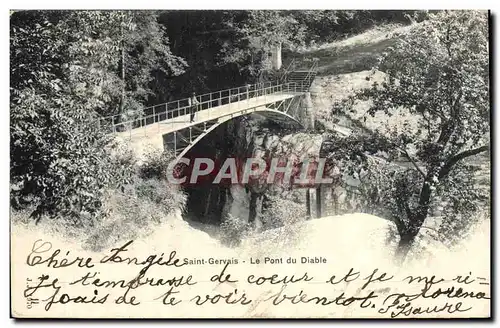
column 169, row 111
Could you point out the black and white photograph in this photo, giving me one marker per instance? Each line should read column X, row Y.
column 250, row 164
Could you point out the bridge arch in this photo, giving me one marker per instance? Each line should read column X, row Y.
column 192, row 139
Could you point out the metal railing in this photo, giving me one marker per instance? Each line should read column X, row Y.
column 311, row 73
column 169, row 111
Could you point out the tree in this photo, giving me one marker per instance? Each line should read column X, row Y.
column 437, row 80
column 58, row 162
column 123, row 51
column 145, row 56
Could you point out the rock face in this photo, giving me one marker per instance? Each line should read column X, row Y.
column 257, row 198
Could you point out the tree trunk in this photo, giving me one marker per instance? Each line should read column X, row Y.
column 416, row 221
column 319, row 201
column 208, row 202
column 404, row 246
column 335, row 201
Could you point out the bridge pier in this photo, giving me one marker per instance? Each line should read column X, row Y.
column 308, row 204
column 319, row 202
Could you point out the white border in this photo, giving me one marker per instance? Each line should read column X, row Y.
column 251, row 4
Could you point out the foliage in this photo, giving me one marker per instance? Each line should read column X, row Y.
column 198, row 36
column 156, row 164
column 58, row 159
column 147, row 56
column 144, row 201
column 129, row 212
column 225, row 48
column 64, row 74
column 282, row 210
column 439, row 74
column 465, row 201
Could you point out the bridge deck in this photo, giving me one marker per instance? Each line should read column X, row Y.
column 218, row 112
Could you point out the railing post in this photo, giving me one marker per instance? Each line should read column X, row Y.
column 175, row 142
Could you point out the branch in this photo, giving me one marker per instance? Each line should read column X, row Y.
column 455, row 159
column 429, row 124
column 449, row 125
